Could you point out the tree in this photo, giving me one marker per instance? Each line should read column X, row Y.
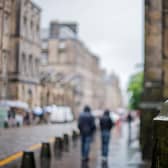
column 135, row 88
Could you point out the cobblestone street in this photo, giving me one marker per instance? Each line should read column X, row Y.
column 124, row 153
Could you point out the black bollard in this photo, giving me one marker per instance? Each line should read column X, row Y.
column 74, row 138
column 58, row 144
column 45, row 163
column 66, row 139
column 58, row 147
column 6, row 125
column 45, row 150
column 73, row 135
column 28, row 160
column 17, row 124
column 66, row 142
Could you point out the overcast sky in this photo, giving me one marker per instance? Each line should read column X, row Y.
column 112, row 29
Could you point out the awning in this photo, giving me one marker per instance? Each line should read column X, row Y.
column 15, row 104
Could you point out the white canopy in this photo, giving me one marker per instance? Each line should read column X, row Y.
column 12, row 103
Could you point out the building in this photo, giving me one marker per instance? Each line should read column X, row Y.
column 23, row 72
column 113, row 96
column 75, row 69
column 6, row 15
column 73, row 64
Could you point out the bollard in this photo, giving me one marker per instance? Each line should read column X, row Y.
column 45, row 163
column 58, row 144
column 17, row 124
column 66, row 139
column 6, row 125
column 28, row 160
column 58, row 147
column 74, row 138
column 66, row 142
column 74, row 135
column 45, row 150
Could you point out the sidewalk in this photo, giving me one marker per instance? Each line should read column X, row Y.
column 19, row 139
column 123, row 153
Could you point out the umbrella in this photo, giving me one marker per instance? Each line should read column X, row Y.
column 48, row 109
column 38, row 111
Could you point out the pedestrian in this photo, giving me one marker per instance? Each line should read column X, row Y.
column 129, row 120
column 87, row 127
column 106, row 124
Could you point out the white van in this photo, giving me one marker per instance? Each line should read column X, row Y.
column 61, row 114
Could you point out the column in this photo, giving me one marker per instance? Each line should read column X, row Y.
column 153, row 73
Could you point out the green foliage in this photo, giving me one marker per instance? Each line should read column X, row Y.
column 135, row 88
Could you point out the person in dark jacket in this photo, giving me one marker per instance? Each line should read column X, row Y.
column 86, row 125
column 106, row 125
column 129, row 120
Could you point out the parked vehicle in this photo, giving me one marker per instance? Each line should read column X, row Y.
column 61, row 114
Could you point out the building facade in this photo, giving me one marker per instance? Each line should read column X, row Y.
column 23, row 72
column 74, row 66
column 71, row 61
column 6, row 15
column 113, row 96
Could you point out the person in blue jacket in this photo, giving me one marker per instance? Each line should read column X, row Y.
column 87, row 127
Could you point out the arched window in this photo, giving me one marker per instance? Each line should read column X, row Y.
column 23, row 64
column 37, row 66
column 25, row 25
column 31, row 66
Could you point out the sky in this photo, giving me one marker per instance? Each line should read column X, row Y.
column 112, row 29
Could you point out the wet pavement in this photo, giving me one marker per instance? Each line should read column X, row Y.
column 124, row 153
column 19, row 139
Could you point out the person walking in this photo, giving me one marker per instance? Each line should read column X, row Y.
column 129, row 120
column 87, row 127
column 106, row 124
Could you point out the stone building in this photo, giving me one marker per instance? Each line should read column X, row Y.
column 113, row 96
column 6, row 15
column 76, row 70
column 73, row 64
column 23, row 72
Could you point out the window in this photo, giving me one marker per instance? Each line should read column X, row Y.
column 37, row 66
column 31, row 66
column 44, row 44
column 32, row 25
column 44, row 58
column 4, row 64
column 38, row 28
column 6, row 24
column 23, row 64
column 25, row 21
column 62, row 45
